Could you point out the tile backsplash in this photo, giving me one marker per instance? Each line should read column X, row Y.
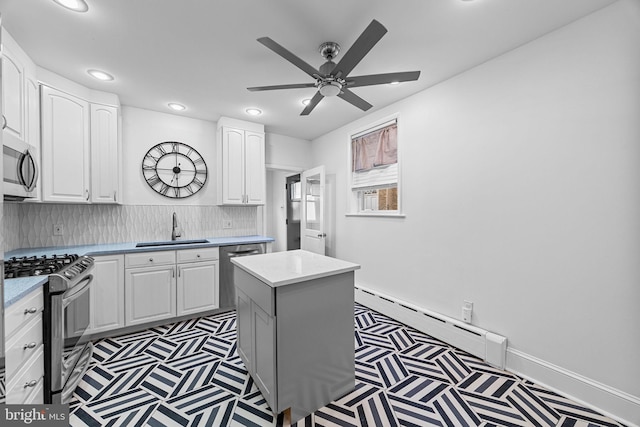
column 30, row 225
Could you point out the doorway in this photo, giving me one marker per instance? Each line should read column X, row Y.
column 294, row 197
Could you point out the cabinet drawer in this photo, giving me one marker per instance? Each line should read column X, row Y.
column 259, row 292
column 22, row 311
column 193, row 255
column 27, row 380
column 23, row 345
column 149, row 259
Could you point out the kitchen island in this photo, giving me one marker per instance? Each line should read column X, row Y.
column 295, row 328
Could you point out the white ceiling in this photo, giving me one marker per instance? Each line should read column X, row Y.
column 204, row 53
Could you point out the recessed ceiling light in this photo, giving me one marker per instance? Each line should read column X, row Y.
column 306, row 101
column 253, row 111
column 176, row 107
column 75, row 5
column 100, row 75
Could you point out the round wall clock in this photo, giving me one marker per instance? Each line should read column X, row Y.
column 174, row 169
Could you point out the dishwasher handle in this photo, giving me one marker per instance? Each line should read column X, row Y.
column 243, row 253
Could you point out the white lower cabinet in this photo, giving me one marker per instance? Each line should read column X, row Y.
column 107, row 294
column 165, row 284
column 197, row 287
column 24, row 356
column 150, row 294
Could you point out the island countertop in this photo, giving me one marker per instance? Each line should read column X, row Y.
column 284, row 268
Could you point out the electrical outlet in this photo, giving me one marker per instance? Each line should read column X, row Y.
column 227, row 223
column 58, row 230
column 467, row 311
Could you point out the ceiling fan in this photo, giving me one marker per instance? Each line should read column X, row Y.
column 333, row 79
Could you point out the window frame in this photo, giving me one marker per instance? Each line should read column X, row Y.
column 353, row 202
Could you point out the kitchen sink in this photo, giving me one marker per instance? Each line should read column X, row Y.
column 170, row 243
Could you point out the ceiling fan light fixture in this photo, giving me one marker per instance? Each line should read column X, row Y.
column 330, row 88
column 394, row 83
column 75, row 5
column 306, row 101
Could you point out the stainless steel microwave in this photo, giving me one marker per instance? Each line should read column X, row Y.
column 20, row 170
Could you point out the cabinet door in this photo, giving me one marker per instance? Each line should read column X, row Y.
column 65, row 147
column 243, row 328
column 13, row 107
column 197, row 287
column 264, row 339
column 150, row 294
column 105, row 170
column 255, row 171
column 107, row 294
column 233, row 166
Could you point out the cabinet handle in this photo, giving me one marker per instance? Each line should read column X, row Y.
column 31, row 383
column 114, row 195
column 173, row 272
column 88, row 194
column 150, row 259
column 4, row 122
column 30, row 345
column 179, row 272
column 31, row 310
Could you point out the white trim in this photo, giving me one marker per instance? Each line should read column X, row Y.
column 293, row 169
column 382, row 215
column 374, row 128
column 607, row 400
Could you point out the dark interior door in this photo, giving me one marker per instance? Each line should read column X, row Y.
column 294, row 196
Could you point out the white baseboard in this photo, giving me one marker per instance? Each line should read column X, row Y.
column 607, row 400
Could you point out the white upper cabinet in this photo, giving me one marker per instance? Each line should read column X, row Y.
column 80, row 143
column 20, row 99
column 105, row 168
column 241, row 163
column 65, row 147
column 13, row 89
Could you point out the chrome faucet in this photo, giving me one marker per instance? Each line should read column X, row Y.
column 175, row 233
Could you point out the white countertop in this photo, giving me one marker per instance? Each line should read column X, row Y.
column 284, row 268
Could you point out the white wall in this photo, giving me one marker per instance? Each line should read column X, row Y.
column 520, row 184
column 287, row 153
column 141, row 130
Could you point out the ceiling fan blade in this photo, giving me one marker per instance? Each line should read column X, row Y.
column 354, row 99
column 312, row 104
column 369, row 37
column 291, row 86
column 283, row 52
column 379, row 79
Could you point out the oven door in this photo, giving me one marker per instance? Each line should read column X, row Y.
column 20, row 170
column 77, row 351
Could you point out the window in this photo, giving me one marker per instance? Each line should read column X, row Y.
column 374, row 169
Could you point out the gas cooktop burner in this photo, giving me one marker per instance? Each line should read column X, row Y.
column 36, row 266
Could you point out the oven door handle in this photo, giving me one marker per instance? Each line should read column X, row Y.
column 77, row 291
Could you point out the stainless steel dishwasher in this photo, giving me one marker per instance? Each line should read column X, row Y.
column 227, row 290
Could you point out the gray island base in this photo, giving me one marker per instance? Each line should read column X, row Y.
column 295, row 328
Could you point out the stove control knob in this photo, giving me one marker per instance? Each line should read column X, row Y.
column 68, row 274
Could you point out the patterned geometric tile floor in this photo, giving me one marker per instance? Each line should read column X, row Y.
column 189, row 374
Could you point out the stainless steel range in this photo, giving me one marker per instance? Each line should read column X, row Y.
column 66, row 318
column 67, row 351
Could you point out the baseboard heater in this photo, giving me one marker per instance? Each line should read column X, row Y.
column 490, row 347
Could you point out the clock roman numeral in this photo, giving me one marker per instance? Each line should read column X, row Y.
column 153, row 158
column 155, row 179
column 188, row 188
column 161, row 149
column 176, row 191
column 174, row 147
column 198, row 161
column 164, row 189
column 197, row 182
